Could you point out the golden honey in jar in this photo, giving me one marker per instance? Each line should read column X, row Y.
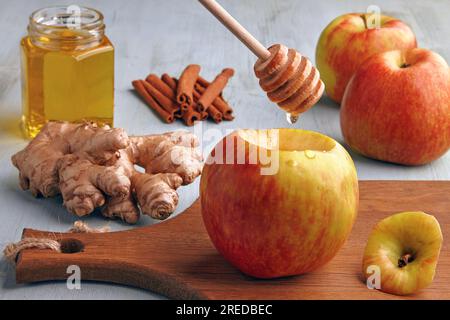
column 67, row 68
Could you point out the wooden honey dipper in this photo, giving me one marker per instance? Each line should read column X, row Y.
column 289, row 78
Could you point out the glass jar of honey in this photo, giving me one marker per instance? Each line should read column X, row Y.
column 67, row 68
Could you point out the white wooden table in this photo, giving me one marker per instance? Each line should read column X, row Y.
column 165, row 36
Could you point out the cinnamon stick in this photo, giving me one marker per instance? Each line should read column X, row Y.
column 161, row 86
column 152, row 103
column 190, row 116
column 203, row 82
column 167, row 91
column 218, row 111
column 215, row 114
column 214, row 89
column 203, row 115
column 225, row 108
column 166, row 103
column 186, row 84
column 212, row 111
column 219, row 103
column 171, row 82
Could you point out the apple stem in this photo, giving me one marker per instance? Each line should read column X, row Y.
column 405, row 259
column 363, row 16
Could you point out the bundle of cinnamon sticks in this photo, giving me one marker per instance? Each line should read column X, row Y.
column 190, row 98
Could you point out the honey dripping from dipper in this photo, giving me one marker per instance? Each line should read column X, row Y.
column 290, row 79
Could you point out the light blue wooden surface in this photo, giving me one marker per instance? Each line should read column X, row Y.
column 165, row 36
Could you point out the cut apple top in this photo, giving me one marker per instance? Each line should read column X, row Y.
column 405, row 247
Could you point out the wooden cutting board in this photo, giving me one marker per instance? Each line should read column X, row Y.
column 176, row 258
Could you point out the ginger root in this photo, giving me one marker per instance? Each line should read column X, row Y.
column 94, row 167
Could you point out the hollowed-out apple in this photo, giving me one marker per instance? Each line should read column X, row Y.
column 278, row 202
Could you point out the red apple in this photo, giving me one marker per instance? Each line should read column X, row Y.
column 396, row 107
column 349, row 40
column 287, row 212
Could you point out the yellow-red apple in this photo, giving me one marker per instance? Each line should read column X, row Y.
column 349, row 40
column 403, row 251
column 278, row 202
column 396, row 107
